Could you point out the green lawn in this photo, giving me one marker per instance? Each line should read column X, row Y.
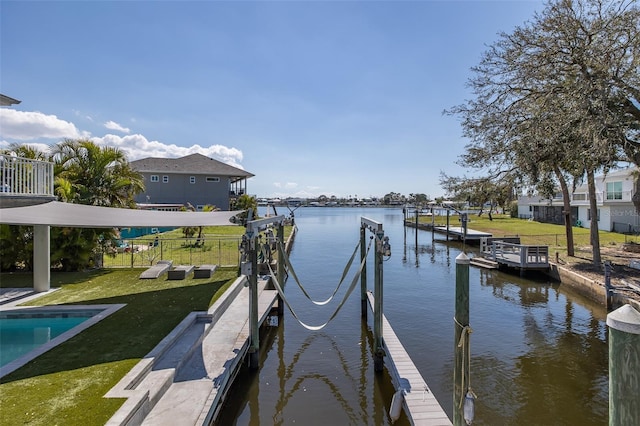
column 536, row 233
column 219, row 247
column 66, row 385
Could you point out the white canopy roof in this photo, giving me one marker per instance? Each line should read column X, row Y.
column 56, row 213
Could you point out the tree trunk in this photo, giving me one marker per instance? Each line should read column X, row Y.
column 593, row 227
column 566, row 207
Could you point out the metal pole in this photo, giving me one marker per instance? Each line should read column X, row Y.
column 363, row 275
column 624, row 366
column 607, row 285
column 254, row 354
column 281, row 270
column 461, row 348
column 378, row 362
column 417, row 228
column 448, row 224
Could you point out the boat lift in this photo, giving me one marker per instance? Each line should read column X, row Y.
column 249, row 268
column 383, row 248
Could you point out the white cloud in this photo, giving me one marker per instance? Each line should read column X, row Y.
column 23, row 126
column 112, row 125
column 30, row 125
column 137, row 146
column 287, row 185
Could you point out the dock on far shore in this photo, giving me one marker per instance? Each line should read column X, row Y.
column 495, row 252
column 455, row 232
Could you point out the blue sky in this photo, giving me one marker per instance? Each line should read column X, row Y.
column 337, row 98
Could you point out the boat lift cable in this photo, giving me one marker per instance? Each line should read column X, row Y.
column 295, row 277
column 353, row 285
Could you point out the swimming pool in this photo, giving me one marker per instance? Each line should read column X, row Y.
column 28, row 332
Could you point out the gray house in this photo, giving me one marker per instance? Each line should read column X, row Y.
column 196, row 179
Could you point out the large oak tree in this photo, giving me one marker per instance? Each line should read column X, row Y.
column 559, row 95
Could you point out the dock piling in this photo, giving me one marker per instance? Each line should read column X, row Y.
column 461, row 340
column 624, row 366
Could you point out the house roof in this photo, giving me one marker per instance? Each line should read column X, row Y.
column 196, row 164
column 56, row 213
column 7, row 101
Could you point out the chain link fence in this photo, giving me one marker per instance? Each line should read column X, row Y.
column 146, row 251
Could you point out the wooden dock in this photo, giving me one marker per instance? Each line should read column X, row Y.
column 521, row 256
column 452, row 232
column 420, row 405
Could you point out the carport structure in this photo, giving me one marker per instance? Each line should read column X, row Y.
column 43, row 216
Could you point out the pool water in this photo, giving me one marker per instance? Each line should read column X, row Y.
column 19, row 336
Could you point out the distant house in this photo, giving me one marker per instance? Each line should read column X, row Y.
column 614, row 199
column 197, row 179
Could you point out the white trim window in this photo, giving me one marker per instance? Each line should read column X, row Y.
column 165, row 179
column 192, row 180
column 614, row 190
column 212, row 179
column 155, row 178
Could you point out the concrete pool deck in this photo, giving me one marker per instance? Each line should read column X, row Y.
column 10, row 297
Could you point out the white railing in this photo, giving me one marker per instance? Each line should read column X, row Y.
column 603, row 197
column 24, row 176
column 519, row 254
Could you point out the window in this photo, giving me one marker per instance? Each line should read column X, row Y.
column 614, row 190
column 192, row 179
column 213, row 179
column 589, row 214
column 580, row 197
column 154, row 178
column 165, row 179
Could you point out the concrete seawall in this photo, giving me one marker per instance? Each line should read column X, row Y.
column 592, row 289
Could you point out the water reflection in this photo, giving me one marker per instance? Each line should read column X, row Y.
column 320, row 384
column 538, row 350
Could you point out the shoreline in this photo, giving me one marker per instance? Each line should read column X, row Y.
column 592, row 289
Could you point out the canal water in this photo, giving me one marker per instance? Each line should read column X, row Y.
column 538, row 351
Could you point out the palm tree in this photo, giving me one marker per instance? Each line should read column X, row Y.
column 89, row 174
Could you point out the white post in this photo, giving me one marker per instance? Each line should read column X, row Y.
column 41, row 258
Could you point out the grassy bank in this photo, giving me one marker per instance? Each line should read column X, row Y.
column 536, row 233
column 66, row 385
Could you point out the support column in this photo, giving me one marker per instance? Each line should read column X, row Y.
column 363, row 275
column 461, row 342
column 254, row 353
column 624, row 366
column 41, row 258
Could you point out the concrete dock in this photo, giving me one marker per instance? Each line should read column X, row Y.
column 185, row 378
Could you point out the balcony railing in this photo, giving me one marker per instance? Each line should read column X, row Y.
column 25, row 177
column 603, row 197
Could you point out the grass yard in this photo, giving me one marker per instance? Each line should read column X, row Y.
column 218, row 247
column 65, row 386
column 536, row 233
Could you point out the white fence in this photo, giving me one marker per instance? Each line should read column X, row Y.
column 24, row 176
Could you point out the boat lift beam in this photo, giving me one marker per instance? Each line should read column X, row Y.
column 382, row 249
column 249, row 267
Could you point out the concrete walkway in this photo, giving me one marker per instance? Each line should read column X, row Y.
column 184, row 380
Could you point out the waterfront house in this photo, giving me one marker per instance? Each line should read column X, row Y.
column 614, row 199
column 195, row 179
